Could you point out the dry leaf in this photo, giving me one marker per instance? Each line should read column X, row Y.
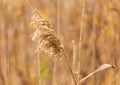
column 100, row 68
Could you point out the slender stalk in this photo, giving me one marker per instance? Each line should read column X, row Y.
column 38, row 60
column 58, row 32
column 74, row 57
column 54, row 73
column 114, row 65
column 94, row 44
column 8, row 55
column 58, row 16
column 81, row 30
column 80, row 38
column 70, row 68
column 3, row 42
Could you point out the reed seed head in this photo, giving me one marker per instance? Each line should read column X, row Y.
column 45, row 36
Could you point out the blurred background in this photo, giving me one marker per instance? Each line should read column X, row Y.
column 100, row 24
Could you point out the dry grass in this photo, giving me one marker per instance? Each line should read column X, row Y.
column 92, row 24
column 47, row 39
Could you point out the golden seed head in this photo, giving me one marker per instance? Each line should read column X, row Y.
column 45, row 36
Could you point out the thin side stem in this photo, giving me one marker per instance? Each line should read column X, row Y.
column 38, row 60
column 58, row 16
column 70, row 68
column 8, row 54
column 74, row 57
column 114, row 64
column 54, row 73
column 81, row 30
column 80, row 38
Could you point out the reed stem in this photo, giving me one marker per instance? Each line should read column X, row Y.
column 70, row 68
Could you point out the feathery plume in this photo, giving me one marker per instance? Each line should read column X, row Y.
column 47, row 39
column 46, row 36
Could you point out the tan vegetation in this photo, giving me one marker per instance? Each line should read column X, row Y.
column 84, row 32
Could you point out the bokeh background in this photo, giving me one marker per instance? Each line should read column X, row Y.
column 100, row 26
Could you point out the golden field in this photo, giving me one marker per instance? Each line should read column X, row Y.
column 87, row 30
